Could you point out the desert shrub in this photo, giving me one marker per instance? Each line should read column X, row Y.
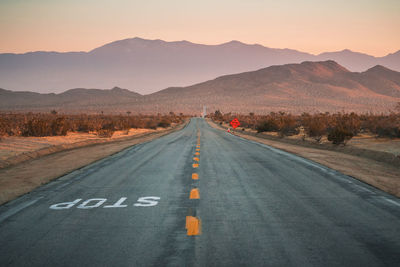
column 288, row 125
column 318, row 125
column 106, row 131
column 217, row 116
column 349, row 122
column 164, row 123
column 124, row 125
column 82, row 126
column 59, row 126
column 3, row 127
column 315, row 126
column 267, row 125
column 51, row 124
column 339, row 135
column 382, row 125
column 150, row 124
column 37, row 127
column 390, row 131
column 343, row 127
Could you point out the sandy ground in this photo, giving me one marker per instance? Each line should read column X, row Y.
column 363, row 141
column 376, row 173
column 21, row 178
column 14, row 146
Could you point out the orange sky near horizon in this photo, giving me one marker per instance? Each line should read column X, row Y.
column 367, row 26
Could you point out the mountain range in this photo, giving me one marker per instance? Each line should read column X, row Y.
column 323, row 86
column 147, row 66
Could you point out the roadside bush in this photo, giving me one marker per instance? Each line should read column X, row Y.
column 268, row 125
column 388, row 131
column 383, row 126
column 315, row 126
column 164, row 123
column 3, row 127
column 52, row 124
column 288, row 126
column 82, row 126
column 339, row 135
column 106, row 131
column 318, row 125
column 217, row 115
column 37, row 127
column 151, row 125
column 59, row 127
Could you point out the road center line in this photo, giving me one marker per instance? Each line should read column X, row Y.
column 193, row 225
column 194, row 194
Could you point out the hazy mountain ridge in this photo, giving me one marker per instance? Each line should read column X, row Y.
column 78, row 99
column 146, row 66
column 306, row 87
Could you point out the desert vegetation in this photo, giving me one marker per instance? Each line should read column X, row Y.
column 338, row 128
column 53, row 124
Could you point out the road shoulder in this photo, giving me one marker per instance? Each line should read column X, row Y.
column 24, row 177
column 378, row 174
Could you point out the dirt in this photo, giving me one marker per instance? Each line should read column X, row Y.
column 14, row 150
column 23, row 177
column 379, row 172
column 15, row 145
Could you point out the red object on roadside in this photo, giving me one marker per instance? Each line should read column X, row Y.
column 235, row 123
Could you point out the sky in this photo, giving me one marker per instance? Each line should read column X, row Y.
column 314, row 26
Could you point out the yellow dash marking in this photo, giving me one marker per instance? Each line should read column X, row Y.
column 198, row 146
column 195, row 176
column 193, row 225
column 197, row 153
column 194, row 193
column 195, row 165
column 197, row 149
column 196, row 159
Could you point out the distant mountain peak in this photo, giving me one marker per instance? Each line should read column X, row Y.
column 347, row 53
column 379, row 70
column 346, row 50
column 234, row 43
column 330, row 65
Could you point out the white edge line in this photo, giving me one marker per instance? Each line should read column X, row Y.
column 17, row 209
column 393, row 202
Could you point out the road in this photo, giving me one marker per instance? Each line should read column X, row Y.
column 234, row 203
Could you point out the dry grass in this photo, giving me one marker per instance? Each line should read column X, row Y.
column 53, row 124
column 12, row 146
column 338, row 128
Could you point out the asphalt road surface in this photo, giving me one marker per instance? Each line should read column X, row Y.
column 234, row 203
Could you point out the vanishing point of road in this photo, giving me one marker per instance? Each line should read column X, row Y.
column 202, row 197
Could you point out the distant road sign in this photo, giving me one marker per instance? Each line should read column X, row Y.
column 235, row 123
